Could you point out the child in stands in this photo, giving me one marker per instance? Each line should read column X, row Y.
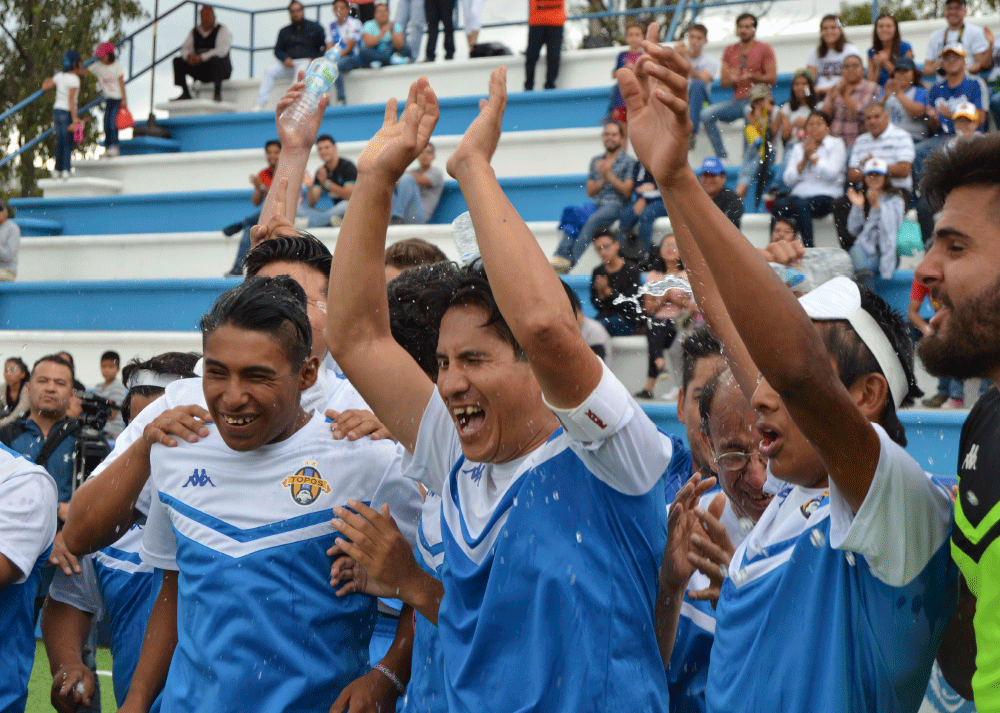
column 64, row 117
column 110, row 79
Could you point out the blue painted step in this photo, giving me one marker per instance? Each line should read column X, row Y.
column 38, row 226
column 148, row 145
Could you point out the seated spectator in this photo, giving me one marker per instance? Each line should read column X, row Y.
column 10, row 244
column 593, row 332
column 410, row 252
column 874, row 221
column 615, row 277
column 704, row 72
column 297, row 45
column 344, row 35
column 112, row 389
column 14, row 396
column 759, row 151
column 407, row 206
column 815, row 172
column 713, row 179
column 905, row 100
column 261, row 182
column 744, row 63
column 887, row 49
column 609, row 185
column 382, row 41
column 430, row 181
column 965, row 119
column 971, row 37
column 634, row 35
column 646, row 207
column 335, row 178
column 789, row 121
column 205, row 55
column 826, row 61
column 846, row 101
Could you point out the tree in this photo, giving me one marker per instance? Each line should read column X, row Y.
column 904, row 10
column 36, row 34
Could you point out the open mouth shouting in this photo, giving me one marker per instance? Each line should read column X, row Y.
column 770, row 441
column 469, row 420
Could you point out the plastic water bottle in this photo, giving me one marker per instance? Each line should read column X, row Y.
column 319, row 79
column 465, row 238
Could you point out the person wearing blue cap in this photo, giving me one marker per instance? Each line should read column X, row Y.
column 713, row 180
column 64, row 117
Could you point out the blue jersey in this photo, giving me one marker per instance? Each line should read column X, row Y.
column 829, row 610
column 425, row 692
column 944, row 95
column 551, row 562
column 115, row 584
column 27, row 527
column 258, row 625
column 681, row 468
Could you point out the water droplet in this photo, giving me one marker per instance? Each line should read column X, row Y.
column 930, row 460
column 555, row 494
column 515, row 502
column 740, row 577
column 572, row 580
column 817, row 537
column 579, row 536
column 971, row 497
column 746, row 524
column 849, row 556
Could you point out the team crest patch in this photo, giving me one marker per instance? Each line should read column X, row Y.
column 812, row 506
column 306, row 485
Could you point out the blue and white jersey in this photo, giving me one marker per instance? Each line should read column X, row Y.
column 425, row 692
column 551, row 561
column 688, row 670
column 339, row 35
column 28, row 504
column 115, row 584
column 828, row 610
column 258, row 625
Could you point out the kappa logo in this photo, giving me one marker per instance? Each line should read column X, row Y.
column 596, row 419
column 475, row 473
column 971, row 457
column 306, row 485
column 198, row 480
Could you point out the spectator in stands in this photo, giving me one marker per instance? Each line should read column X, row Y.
column 10, row 244
column 64, row 117
column 615, row 277
column 977, row 50
column 634, row 35
column 382, row 41
column 344, row 35
column 545, row 27
column 846, row 101
column 815, row 171
column 875, row 218
column 412, row 16
column 68, row 357
column 410, row 252
column 111, row 82
column 950, row 391
column 14, row 397
column 704, row 71
column 472, row 14
column 826, row 61
column 205, row 55
column 440, row 12
column 713, row 180
column 609, row 185
column 945, row 96
column 887, row 49
column 261, row 182
column 297, row 45
column 407, row 205
column 744, row 64
column 593, row 332
column 646, row 207
column 790, row 120
column 430, row 181
column 905, row 99
column 335, row 178
column 757, row 138
column 113, row 389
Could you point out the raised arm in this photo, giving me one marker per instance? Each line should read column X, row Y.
column 527, row 290
column 660, row 130
column 387, row 377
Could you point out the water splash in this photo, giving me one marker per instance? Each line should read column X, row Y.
column 817, row 537
column 464, row 236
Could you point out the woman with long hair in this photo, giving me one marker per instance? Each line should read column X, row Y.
column 875, row 218
column 14, row 398
column 887, row 47
column 826, row 60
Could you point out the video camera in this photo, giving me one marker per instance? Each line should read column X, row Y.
column 91, row 445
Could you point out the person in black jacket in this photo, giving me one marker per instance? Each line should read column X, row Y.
column 297, row 45
column 613, row 278
column 205, row 55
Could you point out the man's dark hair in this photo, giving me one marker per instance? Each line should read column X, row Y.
column 272, row 142
column 325, row 137
column 68, row 357
column 474, row 289
column 55, row 359
column 606, row 233
column 273, row 305
column 304, row 249
column 574, row 299
column 411, row 252
column 169, row 363
column 854, row 359
column 787, row 220
column 746, row 15
column 415, row 300
column 699, row 344
column 112, row 356
column 699, row 27
column 966, row 163
column 293, row 3
column 707, row 397
column 821, row 114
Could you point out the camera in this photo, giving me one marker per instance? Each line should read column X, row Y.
column 91, row 446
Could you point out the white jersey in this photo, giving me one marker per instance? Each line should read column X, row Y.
column 829, row 66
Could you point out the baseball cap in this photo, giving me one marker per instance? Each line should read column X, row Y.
column 104, row 49
column 954, row 48
column 905, row 63
column 758, row 91
column 70, row 57
column 876, row 165
column 713, row 166
column 966, row 110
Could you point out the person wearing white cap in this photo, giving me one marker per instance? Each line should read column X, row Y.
column 875, row 217
column 958, row 31
column 965, row 119
column 809, row 613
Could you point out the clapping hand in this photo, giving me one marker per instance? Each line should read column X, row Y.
column 398, row 143
column 856, row 197
column 711, row 550
column 682, row 524
column 481, row 138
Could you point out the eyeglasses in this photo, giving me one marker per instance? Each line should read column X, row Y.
column 736, row 461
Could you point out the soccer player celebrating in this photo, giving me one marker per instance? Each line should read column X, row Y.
column 852, row 555
column 552, row 501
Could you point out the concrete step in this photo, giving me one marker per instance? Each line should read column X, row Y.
column 79, row 185
column 197, row 107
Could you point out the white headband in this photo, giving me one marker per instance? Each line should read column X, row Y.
column 145, row 377
column 840, row 298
